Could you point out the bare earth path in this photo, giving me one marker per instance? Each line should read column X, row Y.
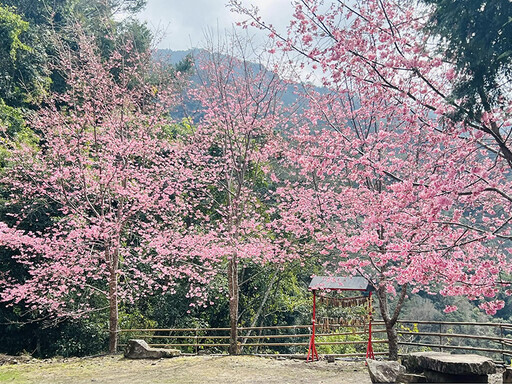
column 186, row 370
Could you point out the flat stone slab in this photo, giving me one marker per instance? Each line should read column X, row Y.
column 139, row 349
column 438, row 377
column 452, row 364
column 405, row 378
column 384, row 371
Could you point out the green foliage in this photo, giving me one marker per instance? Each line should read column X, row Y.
column 477, row 36
column 11, row 28
column 424, row 308
column 179, row 131
column 83, row 337
column 11, row 119
column 133, row 317
column 24, row 77
column 288, row 301
column 340, row 336
column 185, row 65
column 80, row 338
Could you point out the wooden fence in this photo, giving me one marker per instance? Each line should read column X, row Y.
column 493, row 339
column 283, row 340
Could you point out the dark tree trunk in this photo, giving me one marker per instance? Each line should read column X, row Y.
column 390, row 320
column 233, row 305
column 392, row 341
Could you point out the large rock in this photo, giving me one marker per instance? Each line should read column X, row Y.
column 384, row 371
column 139, row 349
column 456, row 364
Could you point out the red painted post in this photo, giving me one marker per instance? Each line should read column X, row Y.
column 312, row 348
column 369, row 348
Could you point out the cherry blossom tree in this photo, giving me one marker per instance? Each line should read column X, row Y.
column 239, row 136
column 376, row 202
column 396, row 186
column 106, row 161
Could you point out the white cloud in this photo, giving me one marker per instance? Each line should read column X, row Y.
column 184, row 23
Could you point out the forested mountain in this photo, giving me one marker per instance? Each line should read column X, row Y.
column 190, row 109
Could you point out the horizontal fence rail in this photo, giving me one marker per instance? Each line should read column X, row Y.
column 493, row 339
column 287, row 340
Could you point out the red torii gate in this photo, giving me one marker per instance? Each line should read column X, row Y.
column 338, row 283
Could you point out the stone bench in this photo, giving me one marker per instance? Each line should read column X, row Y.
column 438, row 367
column 139, row 349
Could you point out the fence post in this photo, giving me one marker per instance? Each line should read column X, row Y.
column 440, row 337
column 501, row 342
column 196, row 342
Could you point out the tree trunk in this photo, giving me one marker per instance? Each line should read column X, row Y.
column 113, row 319
column 390, row 320
column 392, row 340
column 233, row 305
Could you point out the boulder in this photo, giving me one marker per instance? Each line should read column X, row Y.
column 456, row 364
column 384, row 371
column 139, row 349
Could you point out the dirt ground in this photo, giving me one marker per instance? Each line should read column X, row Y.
column 186, row 370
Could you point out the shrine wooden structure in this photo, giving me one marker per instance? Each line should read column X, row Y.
column 338, row 283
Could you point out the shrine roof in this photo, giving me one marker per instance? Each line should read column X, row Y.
column 354, row 283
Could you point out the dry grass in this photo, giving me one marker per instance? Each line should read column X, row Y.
column 193, row 370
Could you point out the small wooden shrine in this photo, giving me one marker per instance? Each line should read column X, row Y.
column 338, row 283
